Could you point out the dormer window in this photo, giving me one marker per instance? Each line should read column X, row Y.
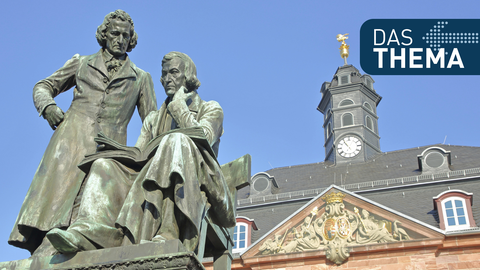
column 344, row 79
column 368, row 81
column 262, row 184
column 242, row 234
column 434, row 160
column 454, row 210
column 369, row 84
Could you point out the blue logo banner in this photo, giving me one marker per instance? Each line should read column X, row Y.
column 420, row 46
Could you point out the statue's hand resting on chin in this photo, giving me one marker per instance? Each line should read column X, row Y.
column 183, row 94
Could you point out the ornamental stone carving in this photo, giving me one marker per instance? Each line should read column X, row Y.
column 334, row 228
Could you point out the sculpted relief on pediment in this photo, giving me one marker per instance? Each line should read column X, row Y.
column 333, row 225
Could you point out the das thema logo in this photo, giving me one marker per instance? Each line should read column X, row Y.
column 420, row 47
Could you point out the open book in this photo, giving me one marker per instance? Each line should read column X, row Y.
column 133, row 156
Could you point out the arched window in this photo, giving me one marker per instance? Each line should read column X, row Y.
column 454, row 211
column 346, row 102
column 368, row 106
column 329, row 112
column 369, row 123
column 242, row 233
column 347, row 119
column 240, row 236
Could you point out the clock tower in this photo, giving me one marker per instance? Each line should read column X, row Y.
column 349, row 105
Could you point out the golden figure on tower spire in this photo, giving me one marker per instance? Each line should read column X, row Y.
column 344, row 47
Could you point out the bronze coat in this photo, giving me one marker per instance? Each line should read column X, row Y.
column 198, row 170
column 99, row 104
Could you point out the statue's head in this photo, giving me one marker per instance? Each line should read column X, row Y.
column 278, row 237
column 307, row 220
column 116, row 33
column 178, row 70
column 365, row 214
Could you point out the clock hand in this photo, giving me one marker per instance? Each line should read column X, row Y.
column 348, row 144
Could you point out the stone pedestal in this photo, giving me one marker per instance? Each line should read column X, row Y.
column 168, row 255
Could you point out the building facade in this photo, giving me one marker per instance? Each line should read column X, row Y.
column 362, row 208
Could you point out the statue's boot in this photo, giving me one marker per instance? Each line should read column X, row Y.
column 69, row 241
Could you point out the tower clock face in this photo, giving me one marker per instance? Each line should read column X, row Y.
column 349, row 146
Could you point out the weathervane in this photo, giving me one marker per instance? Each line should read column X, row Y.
column 344, row 47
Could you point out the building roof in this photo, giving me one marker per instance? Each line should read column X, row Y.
column 392, row 179
column 387, row 165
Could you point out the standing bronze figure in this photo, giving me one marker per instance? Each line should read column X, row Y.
column 108, row 88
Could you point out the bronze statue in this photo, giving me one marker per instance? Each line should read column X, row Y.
column 168, row 197
column 108, row 87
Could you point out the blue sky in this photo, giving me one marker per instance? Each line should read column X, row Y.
column 263, row 61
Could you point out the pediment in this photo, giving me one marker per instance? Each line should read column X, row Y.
column 337, row 221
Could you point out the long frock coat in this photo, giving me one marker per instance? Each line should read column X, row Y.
column 175, row 183
column 101, row 104
column 197, row 170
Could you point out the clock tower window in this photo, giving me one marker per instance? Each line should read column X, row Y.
column 369, row 123
column 347, row 119
column 346, row 102
column 368, row 106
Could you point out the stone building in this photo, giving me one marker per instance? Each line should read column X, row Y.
column 362, row 208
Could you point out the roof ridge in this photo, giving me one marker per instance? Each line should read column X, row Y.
column 373, row 158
